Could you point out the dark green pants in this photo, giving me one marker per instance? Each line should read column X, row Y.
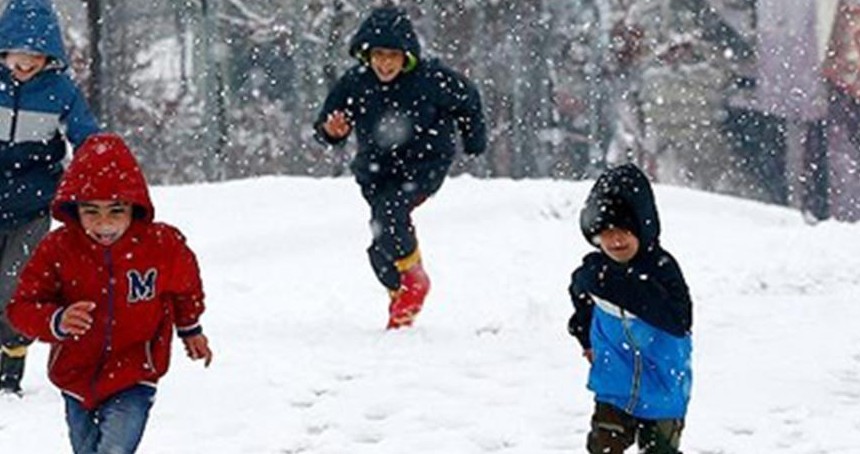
column 613, row 431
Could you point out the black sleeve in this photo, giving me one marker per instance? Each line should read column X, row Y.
column 579, row 325
column 656, row 292
column 464, row 102
column 336, row 100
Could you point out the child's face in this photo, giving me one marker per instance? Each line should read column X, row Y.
column 620, row 245
column 387, row 63
column 25, row 66
column 105, row 221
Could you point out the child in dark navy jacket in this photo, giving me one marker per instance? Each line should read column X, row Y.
column 406, row 112
column 633, row 316
column 38, row 99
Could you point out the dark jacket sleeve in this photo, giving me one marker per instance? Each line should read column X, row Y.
column 337, row 99
column 579, row 325
column 464, row 101
column 653, row 290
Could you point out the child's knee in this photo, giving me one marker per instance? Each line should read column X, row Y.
column 612, row 430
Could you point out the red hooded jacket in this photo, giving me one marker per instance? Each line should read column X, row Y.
column 143, row 285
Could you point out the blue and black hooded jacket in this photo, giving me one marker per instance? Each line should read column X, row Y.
column 406, row 129
column 636, row 317
column 33, row 114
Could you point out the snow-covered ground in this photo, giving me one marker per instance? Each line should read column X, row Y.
column 303, row 364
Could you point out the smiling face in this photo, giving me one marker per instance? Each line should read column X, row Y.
column 24, row 66
column 620, row 245
column 105, row 221
column 387, row 63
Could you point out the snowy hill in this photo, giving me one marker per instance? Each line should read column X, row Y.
column 302, row 364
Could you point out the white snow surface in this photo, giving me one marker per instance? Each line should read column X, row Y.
column 303, row 364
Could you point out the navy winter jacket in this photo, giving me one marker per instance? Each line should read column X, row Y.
column 636, row 317
column 406, row 129
column 34, row 113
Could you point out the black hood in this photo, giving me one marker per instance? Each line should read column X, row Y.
column 387, row 27
column 621, row 197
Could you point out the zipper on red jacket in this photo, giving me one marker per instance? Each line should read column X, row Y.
column 109, row 324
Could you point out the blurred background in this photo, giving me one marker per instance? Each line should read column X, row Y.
column 753, row 98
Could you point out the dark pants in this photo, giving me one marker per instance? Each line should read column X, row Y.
column 16, row 246
column 391, row 204
column 115, row 427
column 613, row 431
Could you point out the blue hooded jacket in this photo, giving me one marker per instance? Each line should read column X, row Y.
column 33, row 114
column 635, row 317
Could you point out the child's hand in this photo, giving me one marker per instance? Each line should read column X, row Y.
column 76, row 319
column 589, row 355
column 337, row 125
column 197, row 347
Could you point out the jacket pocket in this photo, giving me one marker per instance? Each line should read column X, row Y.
column 150, row 363
column 55, row 354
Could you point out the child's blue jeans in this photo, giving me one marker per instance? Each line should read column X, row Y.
column 115, row 427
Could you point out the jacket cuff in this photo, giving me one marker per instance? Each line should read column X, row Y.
column 188, row 331
column 580, row 334
column 55, row 324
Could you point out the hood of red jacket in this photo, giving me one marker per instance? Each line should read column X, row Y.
column 103, row 168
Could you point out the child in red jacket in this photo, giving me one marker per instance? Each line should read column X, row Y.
column 106, row 291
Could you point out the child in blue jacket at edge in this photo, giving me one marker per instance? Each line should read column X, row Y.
column 633, row 316
column 38, row 100
column 406, row 112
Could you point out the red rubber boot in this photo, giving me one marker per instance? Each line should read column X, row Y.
column 407, row 301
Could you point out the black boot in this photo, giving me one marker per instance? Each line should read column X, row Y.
column 11, row 371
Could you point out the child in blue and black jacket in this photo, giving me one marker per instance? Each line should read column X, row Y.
column 407, row 112
column 39, row 104
column 633, row 316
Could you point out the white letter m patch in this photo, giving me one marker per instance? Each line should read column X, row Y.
column 141, row 288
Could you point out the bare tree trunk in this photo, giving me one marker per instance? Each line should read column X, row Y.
column 215, row 117
column 597, row 89
column 112, row 73
column 332, row 47
column 94, row 15
column 181, row 17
